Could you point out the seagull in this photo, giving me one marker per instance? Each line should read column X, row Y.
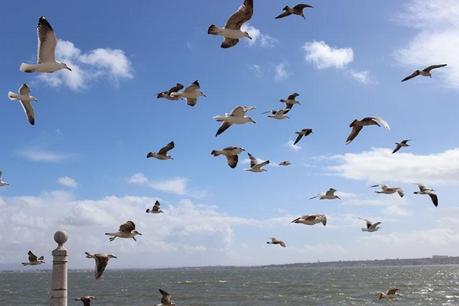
column 101, row 262
column 301, row 134
column 34, row 260
column 237, row 116
column 311, row 219
column 168, row 94
column 328, row 195
column 166, row 299
column 255, row 166
column 231, row 154
column 86, row 300
column 277, row 241
column 427, row 72
column 47, row 41
column 285, row 163
column 296, row 10
column 424, row 190
column 156, row 209
column 232, row 29
column 389, row 190
column 2, row 181
column 162, row 153
column 126, row 230
column 291, row 100
column 371, row 227
column 190, row 94
column 399, row 145
column 357, row 126
column 278, row 114
column 391, row 293
column 26, row 100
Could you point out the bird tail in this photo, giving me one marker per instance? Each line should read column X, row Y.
column 12, row 95
column 148, row 210
column 26, row 68
column 213, row 30
column 88, row 255
column 215, row 153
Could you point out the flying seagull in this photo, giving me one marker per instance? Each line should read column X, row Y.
column 427, row 72
column 156, row 209
column 126, row 230
column 2, row 181
column 101, row 262
column 277, row 241
column 190, row 94
column 47, row 41
column 328, row 195
column 371, row 227
column 399, row 145
column 166, row 299
column 256, row 166
column 311, row 219
column 86, row 300
column 296, row 10
column 424, row 190
column 278, row 114
column 389, row 190
column 357, row 126
column 237, row 116
column 34, row 260
column 162, row 153
column 26, row 100
column 232, row 29
column 231, row 154
column 285, row 163
column 168, row 94
column 301, row 134
column 291, row 100
column 391, row 293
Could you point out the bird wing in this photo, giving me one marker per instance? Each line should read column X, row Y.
column 28, row 110
column 392, row 291
column 101, row 264
column 375, row 224
column 316, row 196
column 243, row 14
column 434, row 198
column 413, row 75
column 232, row 160
column 355, row 131
column 261, row 165
column 176, row 88
column 380, row 122
column 422, row 187
column 398, row 147
column 292, row 96
column 47, row 42
column 24, row 90
column 330, row 192
column 284, row 14
column 298, row 138
column 127, row 227
column 32, row 257
column 222, row 128
column 157, row 206
column 405, row 141
column 400, row 192
column 166, row 148
column 310, row 218
column 428, row 69
column 282, row 243
column 302, row 6
column 238, row 111
column 229, row 42
column 191, row 101
column 253, row 160
column 192, row 87
column 166, row 297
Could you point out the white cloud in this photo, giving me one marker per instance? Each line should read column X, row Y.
column 281, row 72
column 379, row 165
column 361, row 76
column 176, row 185
column 323, row 56
column 42, row 155
column 256, row 69
column 111, row 64
column 294, row 147
column 436, row 40
column 264, row 40
column 67, row 182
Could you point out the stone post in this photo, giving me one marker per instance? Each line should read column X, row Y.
column 59, row 278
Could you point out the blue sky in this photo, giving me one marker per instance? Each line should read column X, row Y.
column 94, row 126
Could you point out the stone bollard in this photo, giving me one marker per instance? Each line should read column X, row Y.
column 59, row 278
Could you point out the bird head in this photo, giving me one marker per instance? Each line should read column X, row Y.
column 251, row 120
column 112, row 256
column 202, row 94
column 64, row 66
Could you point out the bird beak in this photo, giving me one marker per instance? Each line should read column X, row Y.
column 249, row 37
column 204, row 95
column 68, row 68
column 139, row 233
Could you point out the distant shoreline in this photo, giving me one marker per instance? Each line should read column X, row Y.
column 434, row 260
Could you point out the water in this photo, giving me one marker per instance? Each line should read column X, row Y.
column 273, row 286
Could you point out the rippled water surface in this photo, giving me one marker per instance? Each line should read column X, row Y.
column 274, row 286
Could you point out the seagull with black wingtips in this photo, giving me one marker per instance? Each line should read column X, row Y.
column 389, row 190
column 255, row 165
column 34, row 260
column 168, row 94
column 401, row 144
column 26, row 100
column 311, row 219
column 328, row 195
column 370, row 226
column 426, row 72
column 301, row 134
column 389, row 294
column 101, row 262
column 232, row 29
column 162, row 153
column 166, row 299
column 276, row 241
column 126, row 230
column 357, row 126
column 430, row 192
column 296, row 10
column 47, row 41
column 86, row 299
column 231, row 154
column 237, row 116
column 156, row 209
column 2, row 181
column 190, row 94
column 291, row 100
